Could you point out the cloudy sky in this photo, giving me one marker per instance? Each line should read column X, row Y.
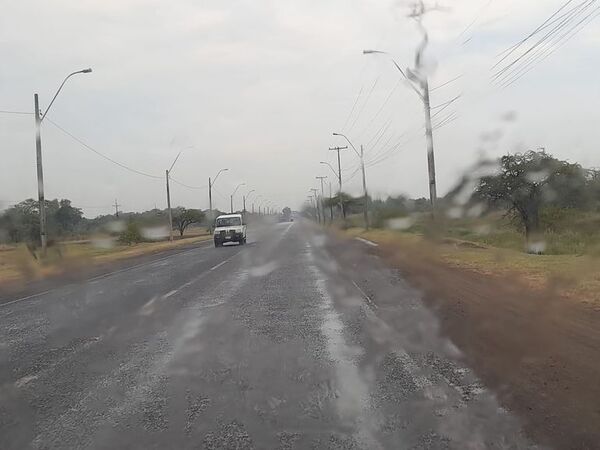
column 258, row 87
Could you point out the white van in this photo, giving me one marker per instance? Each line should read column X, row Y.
column 229, row 228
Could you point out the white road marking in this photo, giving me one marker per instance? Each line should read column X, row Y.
column 99, row 277
column 125, row 269
column 363, row 293
column 366, row 241
column 168, row 294
column 219, row 265
column 24, row 298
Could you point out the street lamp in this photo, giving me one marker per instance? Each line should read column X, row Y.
column 411, row 77
column 330, row 166
column 364, row 180
column 256, row 201
column 235, row 190
column 167, row 173
column 245, row 197
column 38, row 150
column 211, row 183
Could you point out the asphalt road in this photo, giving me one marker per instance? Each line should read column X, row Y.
column 296, row 340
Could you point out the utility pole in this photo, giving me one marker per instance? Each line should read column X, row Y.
column 38, row 154
column 330, row 204
column 315, row 193
column 116, row 205
column 361, row 155
column 364, row 180
column 337, row 149
column 169, row 207
column 40, row 174
column 322, row 197
column 211, row 183
column 210, row 202
column 429, row 138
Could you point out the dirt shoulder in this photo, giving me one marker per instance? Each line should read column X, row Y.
column 529, row 329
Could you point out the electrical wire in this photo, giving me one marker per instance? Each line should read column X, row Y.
column 385, row 102
column 108, row 158
column 509, row 51
column 446, row 83
column 364, row 104
column 547, row 44
column 187, row 185
column 541, row 43
column 572, row 32
column 353, row 107
column 4, row 111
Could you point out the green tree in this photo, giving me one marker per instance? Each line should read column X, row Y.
column 67, row 217
column 528, row 181
column 182, row 218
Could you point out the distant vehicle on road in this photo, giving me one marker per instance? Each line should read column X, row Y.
column 229, row 228
column 286, row 215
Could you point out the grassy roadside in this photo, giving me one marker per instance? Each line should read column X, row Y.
column 17, row 265
column 575, row 277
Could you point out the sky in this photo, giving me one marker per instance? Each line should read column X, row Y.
column 259, row 86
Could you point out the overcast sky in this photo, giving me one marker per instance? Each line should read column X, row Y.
column 258, row 87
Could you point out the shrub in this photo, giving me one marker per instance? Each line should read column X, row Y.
column 131, row 234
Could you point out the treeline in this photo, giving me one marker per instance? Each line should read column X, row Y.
column 532, row 188
column 21, row 222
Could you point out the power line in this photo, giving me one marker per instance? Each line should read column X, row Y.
column 102, row 154
column 187, row 185
column 547, row 38
column 547, row 44
column 446, row 83
column 353, row 107
column 514, row 47
column 448, row 103
column 572, row 32
column 364, row 104
column 4, row 111
column 385, row 102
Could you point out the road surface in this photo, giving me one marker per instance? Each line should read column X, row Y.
column 296, row 340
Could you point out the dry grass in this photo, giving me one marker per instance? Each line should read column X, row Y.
column 17, row 264
column 576, row 277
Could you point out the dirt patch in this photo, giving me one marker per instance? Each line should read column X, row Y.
column 538, row 351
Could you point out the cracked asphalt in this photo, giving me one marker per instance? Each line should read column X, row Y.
column 296, row 340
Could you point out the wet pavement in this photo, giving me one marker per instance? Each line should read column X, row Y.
column 296, row 340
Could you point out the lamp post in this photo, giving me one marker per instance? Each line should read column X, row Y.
column 245, row 197
column 211, row 183
column 256, row 201
column 423, row 94
column 322, row 203
column 38, row 151
column 361, row 155
column 233, row 193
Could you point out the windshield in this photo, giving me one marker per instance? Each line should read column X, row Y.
column 286, row 224
column 229, row 221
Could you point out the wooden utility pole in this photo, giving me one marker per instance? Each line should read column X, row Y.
column 337, row 149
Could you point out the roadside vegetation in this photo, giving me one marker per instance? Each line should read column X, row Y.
column 530, row 215
column 76, row 241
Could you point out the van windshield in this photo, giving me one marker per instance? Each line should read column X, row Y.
column 228, row 221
